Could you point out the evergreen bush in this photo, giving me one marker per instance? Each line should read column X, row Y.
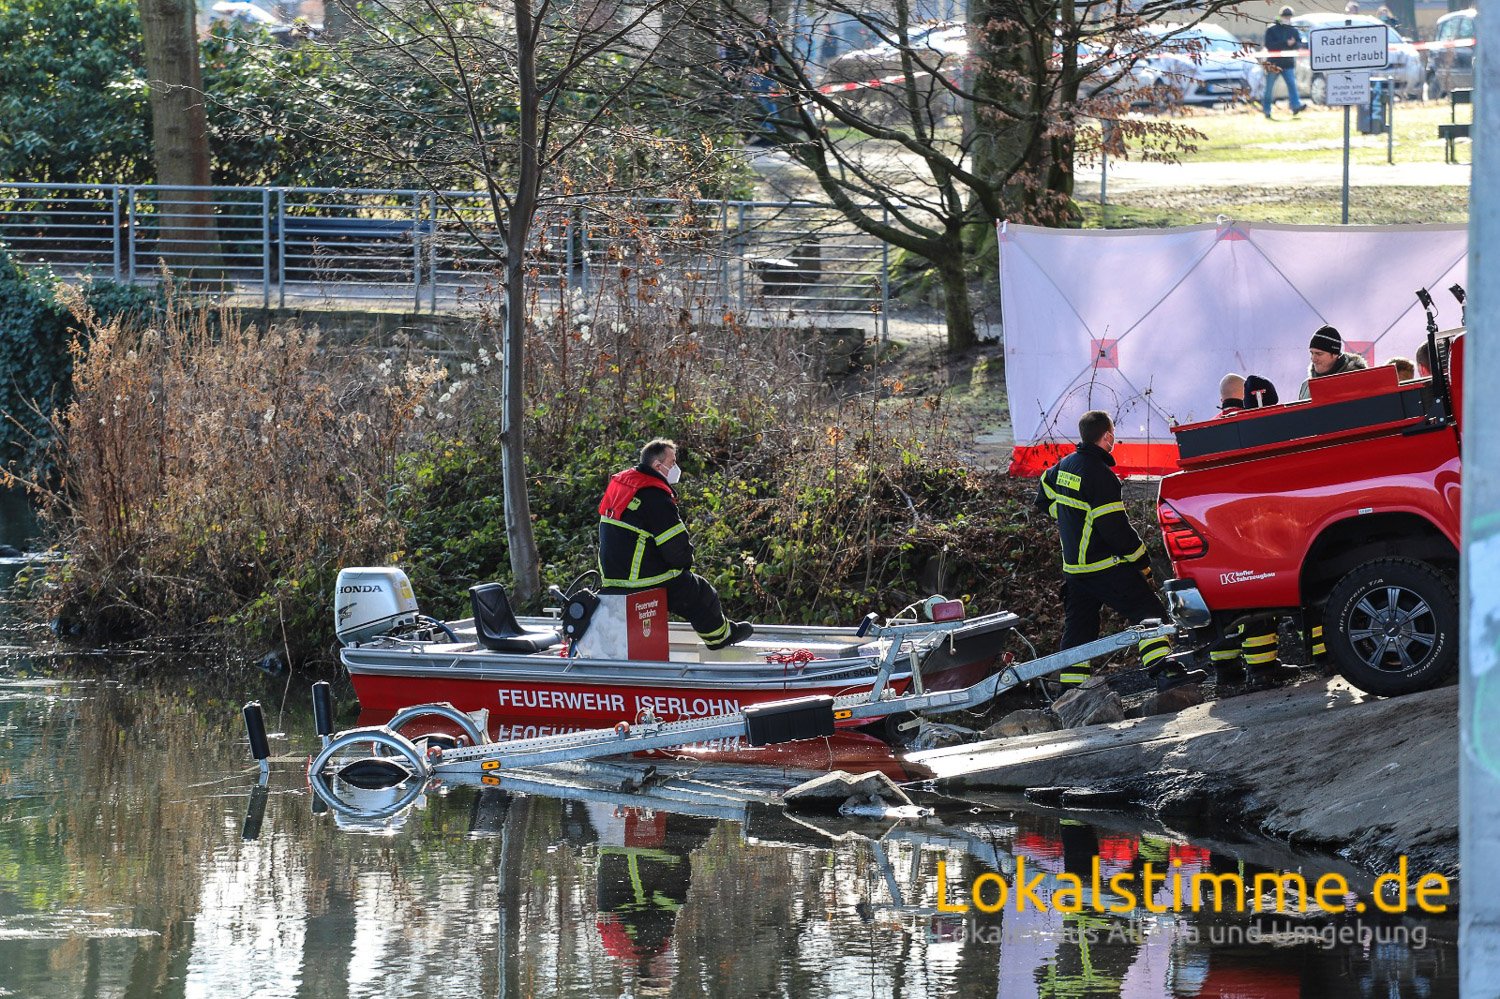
column 36, row 362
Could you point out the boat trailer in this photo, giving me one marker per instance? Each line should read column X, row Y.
column 398, row 759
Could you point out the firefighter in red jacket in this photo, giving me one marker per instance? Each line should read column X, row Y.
column 1104, row 561
column 643, row 544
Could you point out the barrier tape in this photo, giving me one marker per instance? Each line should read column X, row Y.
column 1458, row 43
column 839, row 88
column 1257, row 54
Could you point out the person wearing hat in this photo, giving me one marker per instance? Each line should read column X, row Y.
column 1326, row 351
column 1283, row 39
column 1259, row 392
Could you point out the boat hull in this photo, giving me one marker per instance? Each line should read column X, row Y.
column 531, row 695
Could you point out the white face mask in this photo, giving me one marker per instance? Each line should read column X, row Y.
column 674, row 474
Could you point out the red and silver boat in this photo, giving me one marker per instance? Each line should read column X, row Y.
column 535, row 679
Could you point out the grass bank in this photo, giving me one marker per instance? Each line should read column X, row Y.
column 1242, row 133
column 1294, row 205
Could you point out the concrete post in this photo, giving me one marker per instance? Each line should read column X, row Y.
column 1479, row 688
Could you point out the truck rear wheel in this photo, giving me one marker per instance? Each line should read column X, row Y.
column 1392, row 626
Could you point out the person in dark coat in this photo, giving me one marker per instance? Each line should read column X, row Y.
column 1328, row 357
column 643, row 544
column 1104, row 560
column 1231, row 394
column 1259, row 392
column 1284, row 39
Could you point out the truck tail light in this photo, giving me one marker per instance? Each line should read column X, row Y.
column 1182, row 541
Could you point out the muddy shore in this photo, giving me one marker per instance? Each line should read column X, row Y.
column 1319, row 765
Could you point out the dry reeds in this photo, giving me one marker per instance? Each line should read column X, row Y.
column 207, row 468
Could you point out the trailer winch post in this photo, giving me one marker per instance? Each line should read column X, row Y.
column 322, row 697
column 255, row 729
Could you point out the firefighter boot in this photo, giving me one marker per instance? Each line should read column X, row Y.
column 1317, row 648
column 1167, row 668
column 1260, row 652
column 1272, row 674
column 1229, row 669
column 1172, row 671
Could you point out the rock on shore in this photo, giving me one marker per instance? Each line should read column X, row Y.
column 1320, row 765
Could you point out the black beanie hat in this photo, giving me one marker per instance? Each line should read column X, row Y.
column 1259, row 392
column 1327, row 339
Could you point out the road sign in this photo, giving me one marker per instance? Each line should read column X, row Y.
column 1354, row 46
column 1348, row 88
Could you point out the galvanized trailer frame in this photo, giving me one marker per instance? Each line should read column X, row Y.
column 807, row 717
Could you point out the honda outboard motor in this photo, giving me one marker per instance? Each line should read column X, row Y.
column 369, row 602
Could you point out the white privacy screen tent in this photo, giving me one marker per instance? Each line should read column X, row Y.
column 1143, row 323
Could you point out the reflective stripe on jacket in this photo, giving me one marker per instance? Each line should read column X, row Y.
column 1082, row 493
column 642, row 539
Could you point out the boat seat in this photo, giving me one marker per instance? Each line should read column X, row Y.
column 495, row 626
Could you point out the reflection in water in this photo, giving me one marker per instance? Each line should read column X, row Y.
column 130, row 866
column 18, row 527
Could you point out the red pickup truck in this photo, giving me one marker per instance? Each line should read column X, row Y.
column 1342, row 510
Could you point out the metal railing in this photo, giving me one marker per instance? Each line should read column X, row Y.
column 433, row 251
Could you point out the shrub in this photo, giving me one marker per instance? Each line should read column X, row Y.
column 803, row 505
column 35, row 361
column 212, row 476
column 72, row 92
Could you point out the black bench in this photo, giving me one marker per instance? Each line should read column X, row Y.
column 792, row 274
column 332, row 246
column 1451, row 133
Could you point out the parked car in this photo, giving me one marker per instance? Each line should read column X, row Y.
column 942, row 47
column 1404, row 66
column 1204, row 64
column 243, row 16
column 1450, row 66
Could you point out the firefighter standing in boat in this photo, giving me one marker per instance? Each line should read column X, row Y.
column 1104, row 560
column 644, row 544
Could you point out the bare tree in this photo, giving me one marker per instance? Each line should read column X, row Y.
column 179, row 134
column 970, row 124
column 511, row 96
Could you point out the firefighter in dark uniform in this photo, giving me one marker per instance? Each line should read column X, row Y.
column 1252, row 653
column 1104, row 561
column 643, row 544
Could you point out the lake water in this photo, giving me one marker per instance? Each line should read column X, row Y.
column 127, row 870
column 17, row 525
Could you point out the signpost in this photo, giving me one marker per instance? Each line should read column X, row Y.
column 1345, row 55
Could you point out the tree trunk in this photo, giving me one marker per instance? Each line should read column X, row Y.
column 1058, row 207
column 953, row 271
column 520, row 537
column 187, row 240
column 1012, row 151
